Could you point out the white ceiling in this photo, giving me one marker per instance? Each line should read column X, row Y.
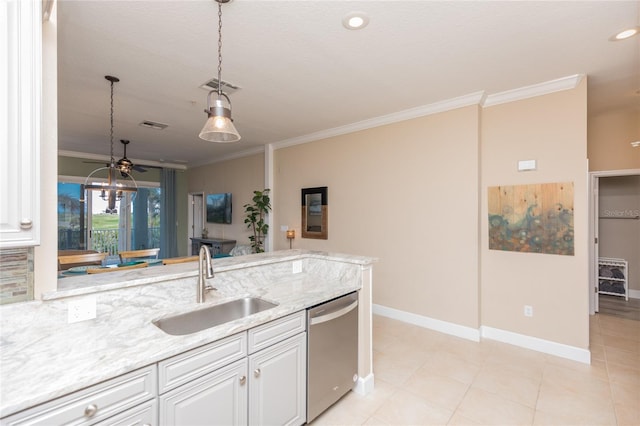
column 300, row 71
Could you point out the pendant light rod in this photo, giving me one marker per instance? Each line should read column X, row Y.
column 219, row 125
column 111, row 80
column 219, row 47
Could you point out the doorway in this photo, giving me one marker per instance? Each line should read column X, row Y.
column 614, row 232
column 196, row 217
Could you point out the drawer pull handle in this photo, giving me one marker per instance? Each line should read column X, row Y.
column 26, row 224
column 243, row 380
column 256, row 372
column 91, row 410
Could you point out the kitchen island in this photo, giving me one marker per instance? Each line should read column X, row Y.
column 43, row 357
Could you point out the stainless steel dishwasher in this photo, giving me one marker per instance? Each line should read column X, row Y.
column 332, row 352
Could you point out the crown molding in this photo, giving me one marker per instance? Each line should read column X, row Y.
column 106, row 158
column 558, row 85
column 232, row 156
column 421, row 111
column 477, row 98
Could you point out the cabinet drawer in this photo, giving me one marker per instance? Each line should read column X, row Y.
column 93, row 404
column 190, row 365
column 142, row 415
column 276, row 331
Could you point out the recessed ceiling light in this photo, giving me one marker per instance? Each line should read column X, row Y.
column 625, row 34
column 635, row 144
column 355, row 20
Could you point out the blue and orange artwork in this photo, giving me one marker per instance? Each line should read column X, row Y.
column 535, row 218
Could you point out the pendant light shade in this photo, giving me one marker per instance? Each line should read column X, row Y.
column 219, row 126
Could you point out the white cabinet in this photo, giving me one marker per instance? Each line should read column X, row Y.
column 20, row 105
column 256, row 377
column 206, row 385
column 217, row 398
column 94, row 404
column 190, row 365
column 613, row 277
column 277, row 383
column 142, row 415
column 268, row 334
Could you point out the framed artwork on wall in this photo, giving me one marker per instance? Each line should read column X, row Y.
column 219, row 208
column 536, row 218
column 315, row 213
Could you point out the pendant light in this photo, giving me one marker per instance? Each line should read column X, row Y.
column 219, row 126
column 113, row 190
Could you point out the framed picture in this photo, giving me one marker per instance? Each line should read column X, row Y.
column 219, row 208
column 533, row 218
column 315, row 213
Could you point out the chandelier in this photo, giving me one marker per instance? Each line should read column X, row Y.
column 112, row 190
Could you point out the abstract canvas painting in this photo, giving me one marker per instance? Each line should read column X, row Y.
column 535, row 218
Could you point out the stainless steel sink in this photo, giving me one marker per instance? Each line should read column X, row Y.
column 202, row 319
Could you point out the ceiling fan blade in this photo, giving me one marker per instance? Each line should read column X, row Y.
column 138, row 168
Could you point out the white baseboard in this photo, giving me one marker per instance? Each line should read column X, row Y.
column 430, row 323
column 516, row 339
column 634, row 294
column 364, row 385
column 537, row 344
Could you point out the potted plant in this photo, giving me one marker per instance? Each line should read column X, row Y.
column 255, row 218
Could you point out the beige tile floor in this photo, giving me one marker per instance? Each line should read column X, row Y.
column 427, row 378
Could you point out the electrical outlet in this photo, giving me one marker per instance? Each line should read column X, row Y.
column 528, row 311
column 297, row 266
column 81, row 309
column 284, row 228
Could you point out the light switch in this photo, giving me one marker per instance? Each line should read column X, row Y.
column 525, row 165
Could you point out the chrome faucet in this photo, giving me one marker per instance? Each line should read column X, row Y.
column 204, row 256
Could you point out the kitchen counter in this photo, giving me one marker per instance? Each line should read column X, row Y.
column 43, row 357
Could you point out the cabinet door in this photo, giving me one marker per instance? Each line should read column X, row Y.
column 20, row 105
column 277, row 383
column 217, row 398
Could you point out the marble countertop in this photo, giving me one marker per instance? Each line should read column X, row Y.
column 43, row 357
column 81, row 284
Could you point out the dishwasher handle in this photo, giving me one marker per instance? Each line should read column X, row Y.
column 331, row 315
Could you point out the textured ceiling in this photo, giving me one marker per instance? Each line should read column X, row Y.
column 300, row 71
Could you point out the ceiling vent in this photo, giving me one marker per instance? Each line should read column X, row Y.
column 227, row 88
column 154, row 125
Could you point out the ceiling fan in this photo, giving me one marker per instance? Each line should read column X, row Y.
column 124, row 165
